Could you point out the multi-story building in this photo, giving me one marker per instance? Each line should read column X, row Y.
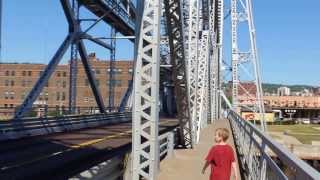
column 16, row 81
column 284, row 91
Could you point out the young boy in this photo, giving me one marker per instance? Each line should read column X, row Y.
column 221, row 157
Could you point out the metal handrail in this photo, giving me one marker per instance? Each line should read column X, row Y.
column 253, row 146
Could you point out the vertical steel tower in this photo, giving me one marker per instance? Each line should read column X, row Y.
column 245, row 63
column 146, row 94
column 74, row 64
column 112, row 68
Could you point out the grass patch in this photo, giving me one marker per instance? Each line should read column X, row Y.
column 304, row 133
column 274, row 136
column 306, row 139
column 297, row 128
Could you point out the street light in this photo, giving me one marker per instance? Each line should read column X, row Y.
column 291, row 112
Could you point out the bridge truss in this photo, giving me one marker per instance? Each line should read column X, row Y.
column 193, row 47
column 193, row 40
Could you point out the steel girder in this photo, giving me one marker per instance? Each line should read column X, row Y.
column 75, row 36
column 202, row 83
column 112, row 68
column 117, row 13
column 146, row 94
column 90, row 76
column 37, row 88
column 175, row 29
column 219, row 77
column 126, row 99
column 235, row 53
column 193, row 38
column 73, row 64
column 212, row 62
column 242, row 12
column 217, row 57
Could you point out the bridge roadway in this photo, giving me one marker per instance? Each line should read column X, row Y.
column 62, row 155
column 187, row 164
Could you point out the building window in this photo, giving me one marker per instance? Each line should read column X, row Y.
column 118, row 71
column 40, row 73
column 115, row 83
column 64, row 74
column 23, row 83
column 58, row 83
column 118, row 83
column 23, row 95
column 86, row 99
column 115, row 71
column 7, row 73
column 12, row 82
column 130, row 71
column 11, row 105
column 47, row 84
column 6, row 83
column 6, row 95
column 64, row 84
column 97, row 71
column 29, row 73
column 63, row 96
column 29, row 82
column 57, row 96
column 13, row 73
column 5, row 105
column 58, row 74
column 24, row 73
column 12, row 95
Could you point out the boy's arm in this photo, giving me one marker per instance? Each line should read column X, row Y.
column 234, row 167
column 205, row 167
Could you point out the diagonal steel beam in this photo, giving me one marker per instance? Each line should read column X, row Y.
column 37, row 88
column 90, row 76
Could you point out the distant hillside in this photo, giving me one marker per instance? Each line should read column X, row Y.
column 272, row 88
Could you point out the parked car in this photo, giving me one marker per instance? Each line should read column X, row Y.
column 315, row 120
column 306, row 121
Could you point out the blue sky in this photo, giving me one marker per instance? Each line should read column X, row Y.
column 288, row 36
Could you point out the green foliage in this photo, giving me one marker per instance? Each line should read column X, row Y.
column 272, row 88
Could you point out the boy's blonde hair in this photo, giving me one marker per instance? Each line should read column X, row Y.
column 223, row 133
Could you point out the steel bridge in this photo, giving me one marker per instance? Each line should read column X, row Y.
column 179, row 51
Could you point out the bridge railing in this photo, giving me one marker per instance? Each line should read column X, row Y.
column 263, row 158
column 15, row 129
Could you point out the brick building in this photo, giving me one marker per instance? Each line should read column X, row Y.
column 16, row 80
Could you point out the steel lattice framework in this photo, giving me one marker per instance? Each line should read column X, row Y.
column 175, row 29
column 192, row 55
column 246, row 60
column 201, row 83
column 146, row 94
column 194, row 41
column 74, row 64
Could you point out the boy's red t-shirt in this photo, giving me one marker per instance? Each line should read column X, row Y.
column 220, row 158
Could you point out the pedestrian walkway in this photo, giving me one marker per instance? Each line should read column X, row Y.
column 187, row 164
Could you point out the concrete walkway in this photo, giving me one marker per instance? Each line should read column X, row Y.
column 187, row 164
